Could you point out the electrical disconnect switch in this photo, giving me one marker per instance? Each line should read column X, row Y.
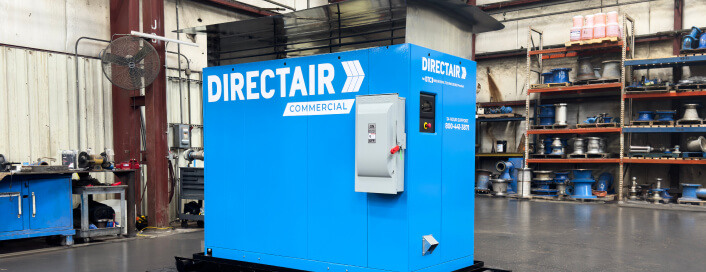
column 380, row 143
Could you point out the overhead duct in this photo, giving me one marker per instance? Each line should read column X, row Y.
column 346, row 26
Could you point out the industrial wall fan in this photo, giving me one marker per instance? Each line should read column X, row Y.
column 130, row 62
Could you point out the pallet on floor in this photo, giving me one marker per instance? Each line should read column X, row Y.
column 659, row 158
column 604, row 199
column 649, row 89
column 690, row 123
column 653, row 123
column 692, row 202
column 547, row 156
column 688, row 52
column 549, row 85
column 690, row 86
column 693, row 155
column 595, row 81
column 542, row 197
column 598, row 125
column 654, row 155
column 592, row 41
column 550, row 126
column 590, row 156
column 498, row 115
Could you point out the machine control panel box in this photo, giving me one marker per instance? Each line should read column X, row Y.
column 380, row 142
column 427, row 112
column 181, row 135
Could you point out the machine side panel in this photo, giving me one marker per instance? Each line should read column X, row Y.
column 457, row 164
column 268, row 154
column 223, row 138
column 387, row 214
column 337, row 226
column 275, row 176
column 424, row 165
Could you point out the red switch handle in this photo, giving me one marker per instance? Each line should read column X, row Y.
column 395, row 149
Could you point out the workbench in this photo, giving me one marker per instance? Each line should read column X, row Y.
column 37, row 204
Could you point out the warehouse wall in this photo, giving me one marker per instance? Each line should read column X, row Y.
column 509, row 73
column 38, row 99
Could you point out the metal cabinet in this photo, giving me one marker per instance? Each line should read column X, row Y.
column 11, row 206
column 36, row 205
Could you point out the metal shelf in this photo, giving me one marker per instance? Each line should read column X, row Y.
column 500, row 155
column 501, row 103
column 664, row 161
column 612, row 160
column 579, row 88
column 576, row 48
column 501, row 119
column 574, row 131
column 666, row 62
column 629, row 129
column 671, row 94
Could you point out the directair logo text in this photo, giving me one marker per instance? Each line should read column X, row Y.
column 443, row 68
column 283, row 82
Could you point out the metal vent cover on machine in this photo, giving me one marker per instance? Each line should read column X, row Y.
column 130, row 62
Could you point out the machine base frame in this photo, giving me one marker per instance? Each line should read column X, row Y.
column 203, row 263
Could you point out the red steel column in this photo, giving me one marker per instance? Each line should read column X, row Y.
column 156, row 122
column 678, row 24
column 124, row 17
column 473, row 38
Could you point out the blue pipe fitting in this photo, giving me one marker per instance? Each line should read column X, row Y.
column 607, row 119
column 605, row 181
column 505, row 109
column 560, row 75
column 692, row 192
column 690, row 41
column 561, row 177
column 583, row 180
column 516, row 163
column 667, row 115
column 546, row 115
column 547, row 77
column 646, row 116
column 702, row 42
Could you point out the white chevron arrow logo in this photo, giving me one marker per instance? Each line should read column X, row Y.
column 355, row 76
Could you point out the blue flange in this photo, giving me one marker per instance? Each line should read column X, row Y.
column 646, row 116
column 546, row 115
column 702, row 41
column 547, row 77
column 689, row 192
column 605, row 181
column 561, row 177
column 583, row 179
column 560, row 75
column 667, row 115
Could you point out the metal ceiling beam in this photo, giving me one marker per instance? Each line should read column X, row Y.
column 236, row 6
column 513, row 3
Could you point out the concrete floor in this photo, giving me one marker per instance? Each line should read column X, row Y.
column 550, row 236
column 510, row 234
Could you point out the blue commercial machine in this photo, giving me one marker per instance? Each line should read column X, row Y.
column 351, row 154
column 357, row 160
